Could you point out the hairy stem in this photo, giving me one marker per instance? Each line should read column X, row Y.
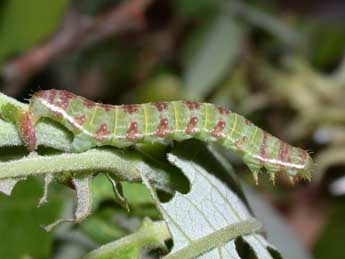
column 124, row 165
column 151, row 233
column 218, row 238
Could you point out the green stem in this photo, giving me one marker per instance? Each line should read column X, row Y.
column 152, row 233
column 125, row 165
column 216, row 239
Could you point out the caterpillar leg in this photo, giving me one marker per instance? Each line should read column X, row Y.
column 24, row 123
column 254, row 166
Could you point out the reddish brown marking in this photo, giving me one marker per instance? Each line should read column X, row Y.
column 248, row 122
column 191, row 125
column 223, row 110
column 102, row 131
column 107, row 107
column 67, row 95
column 132, row 132
column 238, row 144
column 52, row 93
column 218, row 130
column 192, row 105
column 80, row 119
column 161, row 106
column 263, row 148
column 88, row 103
column 28, row 132
column 284, row 152
column 163, row 127
column 131, row 108
column 65, row 98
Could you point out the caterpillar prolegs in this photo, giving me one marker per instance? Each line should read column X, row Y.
column 95, row 124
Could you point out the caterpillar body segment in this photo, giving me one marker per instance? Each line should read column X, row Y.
column 95, row 124
column 24, row 123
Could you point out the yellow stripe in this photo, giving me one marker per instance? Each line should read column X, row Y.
column 275, row 142
column 233, row 126
column 93, row 115
column 176, row 116
column 254, row 136
column 206, row 117
column 146, row 118
column 116, row 117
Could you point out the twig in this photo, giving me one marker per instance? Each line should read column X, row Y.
column 78, row 31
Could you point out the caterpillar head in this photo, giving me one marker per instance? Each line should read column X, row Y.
column 303, row 168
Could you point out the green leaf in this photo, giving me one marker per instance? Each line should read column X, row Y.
column 152, row 234
column 24, row 23
column 21, row 220
column 206, row 221
column 107, row 223
column 259, row 18
column 217, row 51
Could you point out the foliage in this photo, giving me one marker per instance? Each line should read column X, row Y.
column 24, row 24
column 280, row 64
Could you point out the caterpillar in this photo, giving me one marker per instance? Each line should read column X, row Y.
column 96, row 124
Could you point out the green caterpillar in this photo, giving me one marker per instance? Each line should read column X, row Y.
column 95, row 124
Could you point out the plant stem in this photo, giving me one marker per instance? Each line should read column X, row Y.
column 216, row 239
column 151, row 233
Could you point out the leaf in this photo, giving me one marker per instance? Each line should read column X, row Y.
column 149, row 234
column 21, row 220
column 113, row 222
column 23, row 24
column 206, row 221
column 254, row 16
column 219, row 49
column 7, row 185
column 82, row 185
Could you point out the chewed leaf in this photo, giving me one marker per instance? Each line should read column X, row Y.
column 206, row 221
column 82, row 185
column 117, row 188
column 84, row 197
column 47, row 180
column 7, row 185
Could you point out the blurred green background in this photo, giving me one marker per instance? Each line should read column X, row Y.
column 279, row 63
